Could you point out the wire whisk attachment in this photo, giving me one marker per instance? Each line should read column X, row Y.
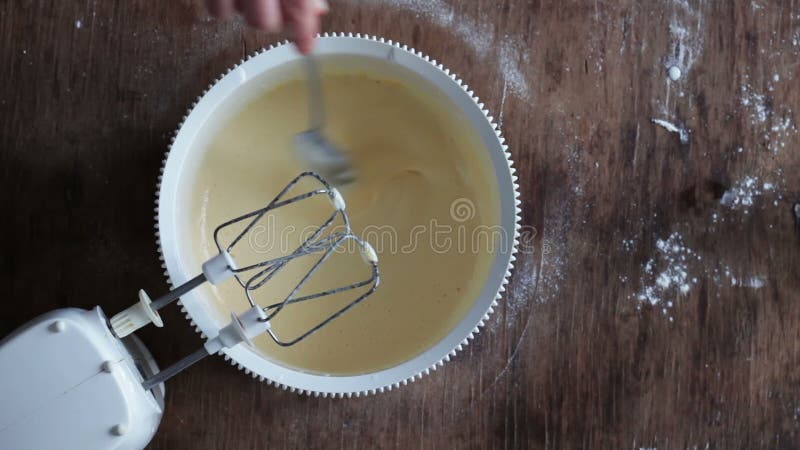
column 332, row 236
column 255, row 271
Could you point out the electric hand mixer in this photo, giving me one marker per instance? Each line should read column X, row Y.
column 71, row 381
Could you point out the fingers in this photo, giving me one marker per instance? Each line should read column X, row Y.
column 221, row 9
column 303, row 17
column 321, row 7
column 263, row 14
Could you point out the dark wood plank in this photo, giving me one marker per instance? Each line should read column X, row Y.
column 91, row 92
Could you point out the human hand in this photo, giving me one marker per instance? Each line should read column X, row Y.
column 301, row 17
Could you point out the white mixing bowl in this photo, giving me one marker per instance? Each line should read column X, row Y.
column 258, row 73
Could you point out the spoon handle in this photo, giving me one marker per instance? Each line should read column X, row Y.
column 316, row 107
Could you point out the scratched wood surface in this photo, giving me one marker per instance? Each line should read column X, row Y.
column 91, row 91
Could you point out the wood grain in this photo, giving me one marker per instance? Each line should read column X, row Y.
column 571, row 359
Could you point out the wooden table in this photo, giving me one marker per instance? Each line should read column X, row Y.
column 607, row 338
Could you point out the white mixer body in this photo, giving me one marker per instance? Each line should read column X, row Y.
column 68, row 383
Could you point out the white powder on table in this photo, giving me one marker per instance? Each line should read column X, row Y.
column 508, row 311
column 745, row 193
column 686, row 45
column 753, row 282
column 682, row 133
column 674, row 270
column 756, row 103
column 555, row 256
column 479, row 36
column 667, row 274
column 686, row 31
column 725, row 276
column 674, row 73
column 628, row 245
column 773, row 122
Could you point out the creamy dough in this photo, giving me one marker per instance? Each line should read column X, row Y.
column 415, row 157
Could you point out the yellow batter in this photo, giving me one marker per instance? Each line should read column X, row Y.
column 415, row 157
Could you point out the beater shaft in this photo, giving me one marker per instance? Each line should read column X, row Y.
column 178, row 292
column 175, row 369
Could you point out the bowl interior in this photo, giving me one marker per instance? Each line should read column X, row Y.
column 263, row 73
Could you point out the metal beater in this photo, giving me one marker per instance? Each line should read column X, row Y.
column 332, row 236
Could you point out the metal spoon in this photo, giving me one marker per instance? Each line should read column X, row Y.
column 323, row 157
